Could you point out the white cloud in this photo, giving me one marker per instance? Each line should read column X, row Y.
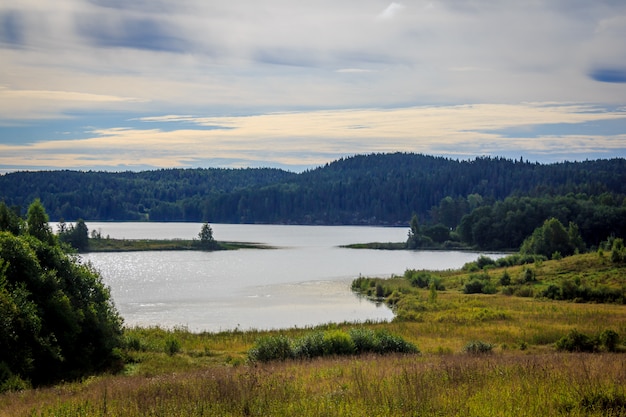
column 315, row 137
column 191, row 57
column 391, row 11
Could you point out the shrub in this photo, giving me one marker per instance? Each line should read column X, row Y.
column 423, row 279
column 271, row 348
column 334, row 342
column 505, row 279
column 479, row 284
column 388, row 343
column 477, row 347
column 420, row 279
column 484, row 261
column 172, row 346
column 576, row 341
column 134, row 343
column 337, row 342
column 309, row 346
column 609, row 339
column 528, row 275
column 364, row 340
column 524, row 291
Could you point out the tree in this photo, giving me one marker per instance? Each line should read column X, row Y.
column 413, row 240
column 207, row 241
column 37, row 222
column 76, row 236
column 10, row 221
column 58, row 319
column 551, row 239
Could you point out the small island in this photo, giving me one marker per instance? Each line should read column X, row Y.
column 77, row 237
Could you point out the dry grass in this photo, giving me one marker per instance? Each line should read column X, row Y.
column 523, row 376
column 451, row 385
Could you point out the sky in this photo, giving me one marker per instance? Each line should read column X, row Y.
column 122, row 85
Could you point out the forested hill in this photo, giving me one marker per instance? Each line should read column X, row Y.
column 364, row 189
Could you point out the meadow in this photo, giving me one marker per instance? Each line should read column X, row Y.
column 517, row 370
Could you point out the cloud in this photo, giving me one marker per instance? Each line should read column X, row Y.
column 11, row 28
column 49, row 104
column 126, row 32
column 391, row 11
column 609, row 75
column 440, row 76
column 299, row 140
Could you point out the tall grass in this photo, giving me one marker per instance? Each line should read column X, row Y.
column 451, row 385
column 176, row 372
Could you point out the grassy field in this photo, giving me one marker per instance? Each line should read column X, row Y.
column 178, row 373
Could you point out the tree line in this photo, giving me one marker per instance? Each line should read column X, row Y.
column 487, row 203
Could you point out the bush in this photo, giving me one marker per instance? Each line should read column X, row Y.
column 333, row 342
column 477, row 347
column 364, row 340
column 337, row 342
column 172, row 346
column 309, row 346
column 609, row 339
column 505, row 279
column 271, row 348
column 388, row 343
column 423, row 279
column 420, row 279
column 479, row 284
column 576, row 341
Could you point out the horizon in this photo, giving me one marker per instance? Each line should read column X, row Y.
column 133, row 86
column 323, row 165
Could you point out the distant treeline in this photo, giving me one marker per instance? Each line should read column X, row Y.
column 377, row 189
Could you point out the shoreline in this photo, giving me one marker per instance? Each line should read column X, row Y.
column 140, row 245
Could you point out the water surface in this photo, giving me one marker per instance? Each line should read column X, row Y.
column 305, row 281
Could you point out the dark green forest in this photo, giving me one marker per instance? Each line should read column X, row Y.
column 485, row 202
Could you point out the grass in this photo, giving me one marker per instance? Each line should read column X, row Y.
column 481, row 355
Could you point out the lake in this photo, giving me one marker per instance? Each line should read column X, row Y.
column 304, row 281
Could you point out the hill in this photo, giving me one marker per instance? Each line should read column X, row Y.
column 377, row 189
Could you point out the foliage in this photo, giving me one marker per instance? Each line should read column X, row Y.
column 58, row 320
column 423, row 279
column 576, row 341
column 172, row 345
column 207, row 241
column 77, row 236
column 504, row 199
column 618, row 251
column 328, row 343
column 271, row 348
column 479, row 284
column 553, row 239
column 478, row 347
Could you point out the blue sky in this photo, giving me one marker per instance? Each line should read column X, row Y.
column 142, row 84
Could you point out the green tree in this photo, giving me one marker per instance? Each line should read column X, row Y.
column 58, row 319
column 207, row 241
column 76, row 236
column 37, row 222
column 10, row 221
column 413, row 240
column 552, row 238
